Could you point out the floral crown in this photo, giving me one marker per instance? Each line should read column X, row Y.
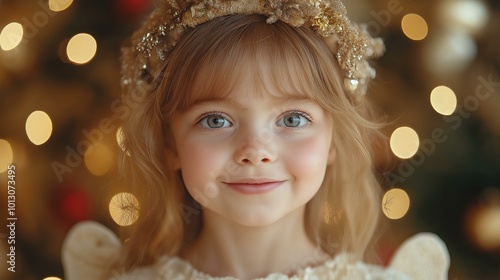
column 350, row 42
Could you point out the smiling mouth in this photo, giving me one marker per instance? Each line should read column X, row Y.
column 254, row 186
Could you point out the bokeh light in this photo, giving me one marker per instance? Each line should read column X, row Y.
column 6, row 155
column 414, row 27
column 482, row 220
column 52, row 278
column 11, row 36
column 59, row 5
column 443, row 100
column 81, row 48
column 98, row 159
column 470, row 16
column 395, row 203
column 124, row 209
column 486, row 227
column 120, row 138
column 449, row 53
column 404, row 142
column 38, row 127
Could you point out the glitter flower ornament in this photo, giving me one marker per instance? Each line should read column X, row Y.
column 152, row 44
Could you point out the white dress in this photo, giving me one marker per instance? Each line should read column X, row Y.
column 90, row 249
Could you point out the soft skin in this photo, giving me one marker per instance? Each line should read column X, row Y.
column 248, row 136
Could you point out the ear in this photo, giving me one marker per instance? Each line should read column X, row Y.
column 332, row 154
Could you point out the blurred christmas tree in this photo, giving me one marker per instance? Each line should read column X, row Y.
column 60, row 94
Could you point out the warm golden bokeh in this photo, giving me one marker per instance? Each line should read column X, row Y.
column 81, row 48
column 38, row 127
column 414, row 27
column 124, row 209
column 11, row 36
column 404, row 142
column 120, row 138
column 443, row 100
column 6, row 155
column 395, row 203
column 59, row 5
column 99, row 159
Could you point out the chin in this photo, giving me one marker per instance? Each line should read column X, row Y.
column 255, row 220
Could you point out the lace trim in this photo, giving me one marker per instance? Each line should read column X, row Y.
column 340, row 267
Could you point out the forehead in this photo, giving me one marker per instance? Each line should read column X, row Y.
column 271, row 59
column 260, row 74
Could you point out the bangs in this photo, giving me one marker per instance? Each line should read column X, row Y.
column 242, row 46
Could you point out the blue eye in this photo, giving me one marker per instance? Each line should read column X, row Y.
column 295, row 119
column 214, row 121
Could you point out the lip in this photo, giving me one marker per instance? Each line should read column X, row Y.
column 254, row 186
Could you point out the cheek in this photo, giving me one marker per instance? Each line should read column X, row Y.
column 200, row 161
column 309, row 158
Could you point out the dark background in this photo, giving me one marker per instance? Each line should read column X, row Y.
column 454, row 185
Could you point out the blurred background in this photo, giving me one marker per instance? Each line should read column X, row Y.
column 438, row 83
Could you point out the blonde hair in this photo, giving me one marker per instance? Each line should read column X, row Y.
column 206, row 62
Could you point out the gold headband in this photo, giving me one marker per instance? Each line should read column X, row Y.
column 350, row 42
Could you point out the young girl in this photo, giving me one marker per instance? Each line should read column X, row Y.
column 250, row 150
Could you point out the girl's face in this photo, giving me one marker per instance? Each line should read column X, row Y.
column 255, row 156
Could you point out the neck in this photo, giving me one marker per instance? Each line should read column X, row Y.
column 225, row 248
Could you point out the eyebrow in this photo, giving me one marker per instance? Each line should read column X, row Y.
column 233, row 102
column 223, row 100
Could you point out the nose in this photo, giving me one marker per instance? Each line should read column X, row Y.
column 255, row 151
